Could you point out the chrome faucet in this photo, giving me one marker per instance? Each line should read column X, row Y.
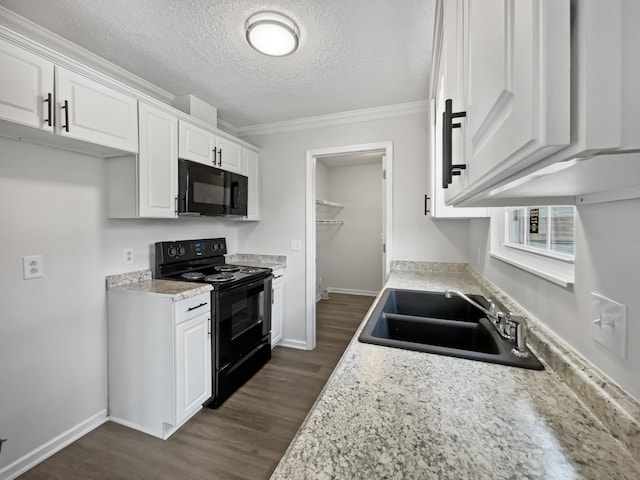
column 504, row 323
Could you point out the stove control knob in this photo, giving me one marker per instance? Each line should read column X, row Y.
column 180, row 250
column 171, row 251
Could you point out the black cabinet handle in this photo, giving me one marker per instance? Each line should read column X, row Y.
column 66, row 115
column 215, row 156
column 196, row 307
column 220, row 155
column 426, row 205
column 49, row 100
column 448, row 168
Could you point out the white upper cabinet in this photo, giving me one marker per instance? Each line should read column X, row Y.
column 229, row 155
column 251, row 169
column 90, row 111
column 195, row 143
column 199, row 145
column 447, row 82
column 26, row 87
column 549, row 110
column 146, row 185
column 158, row 163
column 516, row 78
column 77, row 108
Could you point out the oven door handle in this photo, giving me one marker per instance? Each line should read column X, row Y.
column 234, row 290
column 246, row 357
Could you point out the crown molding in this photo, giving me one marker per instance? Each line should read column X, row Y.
column 36, row 38
column 227, row 127
column 332, row 119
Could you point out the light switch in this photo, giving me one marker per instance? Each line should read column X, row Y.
column 609, row 324
column 296, row 245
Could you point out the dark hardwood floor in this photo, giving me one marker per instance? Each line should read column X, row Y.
column 243, row 439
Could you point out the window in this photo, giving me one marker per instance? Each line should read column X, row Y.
column 544, row 230
column 539, row 240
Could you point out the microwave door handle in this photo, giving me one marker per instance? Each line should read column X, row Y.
column 235, row 194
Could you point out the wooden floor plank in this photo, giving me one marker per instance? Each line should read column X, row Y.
column 244, row 439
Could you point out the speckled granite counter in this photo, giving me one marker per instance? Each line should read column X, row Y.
column 387, row 413
column 141, row 282
column 273, row 262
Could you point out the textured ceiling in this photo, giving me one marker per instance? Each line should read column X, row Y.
column 353, row 54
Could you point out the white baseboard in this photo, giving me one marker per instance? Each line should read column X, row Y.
column 297, row 344
column 348, row 291
column 53, row 446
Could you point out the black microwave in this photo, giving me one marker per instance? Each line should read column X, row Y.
column 205, row 190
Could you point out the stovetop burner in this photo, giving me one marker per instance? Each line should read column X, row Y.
column 227, row 268
column 222, row 277
column 251, row 270
column 192, row 275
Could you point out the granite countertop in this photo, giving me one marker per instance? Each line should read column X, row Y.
column 274, row 262
column 141, row 282
column 387, row 413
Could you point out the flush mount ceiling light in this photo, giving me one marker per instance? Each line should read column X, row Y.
column 272, row 33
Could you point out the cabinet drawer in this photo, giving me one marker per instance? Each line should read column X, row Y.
column 192, row 307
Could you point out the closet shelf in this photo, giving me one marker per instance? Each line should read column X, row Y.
column 329, row 222
column 328, row 203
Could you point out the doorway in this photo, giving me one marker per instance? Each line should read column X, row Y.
column 382, row 151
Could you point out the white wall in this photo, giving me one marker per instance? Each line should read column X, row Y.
column 607, row 262
column 415, row 236
column 53, row 329
column 350, row 255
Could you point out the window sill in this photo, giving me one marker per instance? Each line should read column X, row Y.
column 558, row 272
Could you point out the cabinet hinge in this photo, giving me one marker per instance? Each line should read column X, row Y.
column 384, row 174
column 384, row 248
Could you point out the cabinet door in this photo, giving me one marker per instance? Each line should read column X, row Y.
column 195, row 144
column 251, row 168
column 229, row 155
column 90, row 111
column 157, row 163
column 193, row 364
column 518, row 81
column 277, row 319
column 26, row 87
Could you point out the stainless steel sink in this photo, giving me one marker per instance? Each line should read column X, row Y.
column 430, row 322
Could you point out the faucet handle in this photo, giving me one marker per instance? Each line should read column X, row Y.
column 492, row 306
column 520, row 335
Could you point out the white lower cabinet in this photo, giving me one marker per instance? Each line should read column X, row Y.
column 159, row 359
column 277, row 317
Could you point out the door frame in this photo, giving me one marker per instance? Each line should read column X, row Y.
column 386, row 149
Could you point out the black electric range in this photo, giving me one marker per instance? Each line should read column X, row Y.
column 240, row 307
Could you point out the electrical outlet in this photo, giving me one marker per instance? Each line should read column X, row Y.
column 296, row 245
column 33, row 266
column 129, row 257
column 609, row 324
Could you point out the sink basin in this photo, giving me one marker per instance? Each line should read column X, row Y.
column 430, row 322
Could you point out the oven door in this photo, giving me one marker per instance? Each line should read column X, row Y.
column 243, row 320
